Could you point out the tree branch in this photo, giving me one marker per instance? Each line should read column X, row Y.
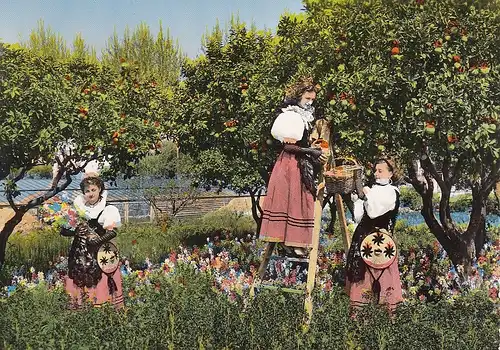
column 457, row 169
column 256, row 213
column 429, row 192
column 426, row 189
column 10, row 199
column 492, row 179
column 444, row 203
column 187, row 199
column 478, row 212
column 22, row 173
column 446, row 169
column 152, row 201
column 418, row 184
column 430, row 168
column 59, row 174
column 9, row 194
column 259, row 208
column 49, row 194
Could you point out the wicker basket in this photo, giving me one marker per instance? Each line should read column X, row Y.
column 342, row 179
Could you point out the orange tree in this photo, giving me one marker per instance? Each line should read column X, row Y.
column 229, row 95
column 417, row 79
column 70, row 112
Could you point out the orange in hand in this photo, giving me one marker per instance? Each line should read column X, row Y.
column 322, row 143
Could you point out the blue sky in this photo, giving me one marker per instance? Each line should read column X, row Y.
column 187, row 20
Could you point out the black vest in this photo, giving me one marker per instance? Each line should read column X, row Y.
column 355, row 267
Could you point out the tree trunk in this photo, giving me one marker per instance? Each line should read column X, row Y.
column 460, row 246
column 477, row 224
column 7, row 231
column 256, row 209
column 20, row 210
column 497, row 192
column 462, row 256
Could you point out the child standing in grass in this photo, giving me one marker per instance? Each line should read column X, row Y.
column 380, row 208
column 88, row 278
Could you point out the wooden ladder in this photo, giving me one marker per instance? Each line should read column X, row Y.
column 313, row 253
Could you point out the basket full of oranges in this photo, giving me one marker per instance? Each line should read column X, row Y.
column 342, row 178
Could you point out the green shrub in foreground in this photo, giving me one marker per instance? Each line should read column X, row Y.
column 184, row 311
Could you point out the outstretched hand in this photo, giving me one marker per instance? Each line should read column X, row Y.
column 323, row 158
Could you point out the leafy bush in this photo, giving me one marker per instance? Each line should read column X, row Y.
column 41, row 171
column 183, row 311
column 38, row 248
column 463, row 202
column 137, row 242
column 408, row 237
column 493, row 204
column 220, row 223
column 410, row 198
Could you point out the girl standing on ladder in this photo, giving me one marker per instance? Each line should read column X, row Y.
column 288, row 208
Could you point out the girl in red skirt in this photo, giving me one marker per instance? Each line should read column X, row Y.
column 288, row 208
column 379, row 210
column 86, row 280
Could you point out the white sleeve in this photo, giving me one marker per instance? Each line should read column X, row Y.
column 380, row 200
column 358, row 210
column 288, row 124
column 110, row 217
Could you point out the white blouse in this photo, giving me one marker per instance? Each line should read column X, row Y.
column 288, row 124
column 379, row 200
column 110, row 214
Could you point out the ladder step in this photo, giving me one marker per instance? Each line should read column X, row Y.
column 297, row 259
column 287, row 290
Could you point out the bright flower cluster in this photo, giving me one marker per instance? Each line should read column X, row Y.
column 61, row 214
column 426, row 273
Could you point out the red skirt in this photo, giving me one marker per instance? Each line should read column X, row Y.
column 288, row 208
column 391, row 294
column 97, row 295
